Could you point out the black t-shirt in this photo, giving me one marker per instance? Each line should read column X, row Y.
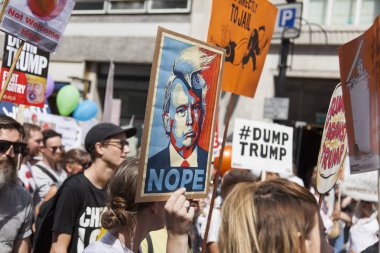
column 78, row 212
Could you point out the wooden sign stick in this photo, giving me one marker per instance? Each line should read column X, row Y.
column 15, row 59
column 3, row 7
column 320, row 200
column 230, row 109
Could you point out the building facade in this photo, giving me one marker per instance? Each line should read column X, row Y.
column 124, row 31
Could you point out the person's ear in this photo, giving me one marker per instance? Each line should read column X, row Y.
column 166, row 120
column 69, row 168
column 99, row 148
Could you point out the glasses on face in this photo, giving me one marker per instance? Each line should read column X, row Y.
column 18, row 147
column 117, row 143
column 55, row 148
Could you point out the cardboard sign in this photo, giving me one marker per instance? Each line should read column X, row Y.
column 28, row 82
column 244, row 29
column 262, row 146
column 40, row 23
column 359, row 62
column 276, row 108
column 71, row 130
column 333, row 144
column 361, row 186
column 180, row 119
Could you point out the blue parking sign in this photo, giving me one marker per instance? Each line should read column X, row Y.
column 287, row 17
column 288, row 24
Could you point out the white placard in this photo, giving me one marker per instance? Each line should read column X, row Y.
column 276, row 108
column 264, row 146
column 40, row 23
column 361, row 186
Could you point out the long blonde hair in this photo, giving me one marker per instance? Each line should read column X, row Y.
column 273, row 216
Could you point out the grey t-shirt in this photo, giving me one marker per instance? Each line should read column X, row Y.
column 16, row 216
column 44, row 182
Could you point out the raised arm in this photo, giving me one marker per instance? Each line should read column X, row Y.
column 179, row 216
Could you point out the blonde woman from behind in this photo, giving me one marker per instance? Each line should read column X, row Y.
column 275, row 216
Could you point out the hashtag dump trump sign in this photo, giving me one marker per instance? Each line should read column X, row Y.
column 262, row 146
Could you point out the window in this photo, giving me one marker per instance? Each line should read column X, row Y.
column 370, row 9
column 132, row 6
column 317, row 11
column 166, row 5
column 89, row 6
column 341, row 12
column 127, row 5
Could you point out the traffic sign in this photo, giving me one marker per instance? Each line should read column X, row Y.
column 288, row 24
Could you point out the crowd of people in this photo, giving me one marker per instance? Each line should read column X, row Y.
column 83, row 200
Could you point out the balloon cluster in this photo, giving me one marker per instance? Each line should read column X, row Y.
column 68, row 102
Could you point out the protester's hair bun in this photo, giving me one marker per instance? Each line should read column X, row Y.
column 117, row 215
column 121, row 207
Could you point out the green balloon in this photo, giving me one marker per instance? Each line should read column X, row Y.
column 67, row 99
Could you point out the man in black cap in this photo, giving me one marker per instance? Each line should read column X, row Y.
column 82, row 199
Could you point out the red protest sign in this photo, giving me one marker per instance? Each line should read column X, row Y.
column 28, row 82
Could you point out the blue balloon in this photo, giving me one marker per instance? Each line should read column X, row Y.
column 86, row 110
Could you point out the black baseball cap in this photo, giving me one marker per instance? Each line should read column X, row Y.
column 104, row 131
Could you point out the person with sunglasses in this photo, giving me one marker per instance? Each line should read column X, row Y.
column 47, row 174
column 82, row 198
column 16, row 209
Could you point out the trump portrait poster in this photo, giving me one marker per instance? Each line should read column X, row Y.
column 179, row 123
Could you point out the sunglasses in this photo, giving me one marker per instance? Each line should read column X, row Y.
column 120, row 144
column 18, row 147
column 55, row 148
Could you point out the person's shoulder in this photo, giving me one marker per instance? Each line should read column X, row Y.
column 76, row 181
column 21, row 190
column 16, row 192
column 96, row 247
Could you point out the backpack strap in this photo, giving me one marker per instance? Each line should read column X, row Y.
column 44, row 170
column 150, row 244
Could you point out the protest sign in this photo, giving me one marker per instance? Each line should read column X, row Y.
column 264, row 146
column 37, row 22
column 361, row 186
column 28, row 82
column 179, row 124
column 67, row 126
column 71, row 130
column 333, row 144
column 244, row 29
column 359, row 62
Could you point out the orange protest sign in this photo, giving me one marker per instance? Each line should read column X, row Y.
column 244, row 29
column 359, row 62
